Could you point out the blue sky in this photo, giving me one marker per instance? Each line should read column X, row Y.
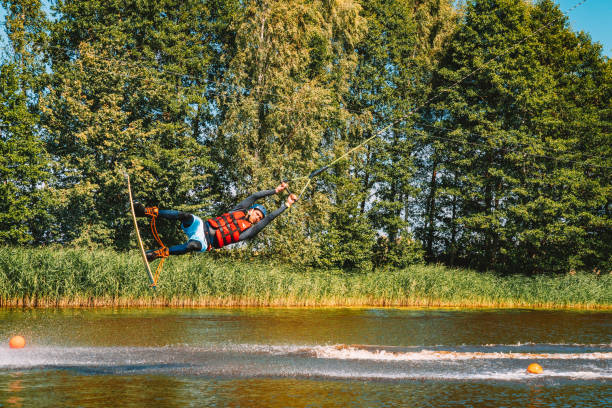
column 593, row 17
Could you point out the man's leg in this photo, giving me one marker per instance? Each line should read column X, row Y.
column 185, row 218
column 181, row 249
column 189, row 246
column 158, row 253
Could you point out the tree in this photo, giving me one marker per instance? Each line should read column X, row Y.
column 348, row 239
column 566, row 217
column 128, row 93
column 23, row 164
column 514, row 155
column 392, row 78
column 281, row 92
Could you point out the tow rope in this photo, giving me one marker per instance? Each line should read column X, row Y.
column 315, row 173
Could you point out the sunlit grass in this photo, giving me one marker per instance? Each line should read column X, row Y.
column 78, row 277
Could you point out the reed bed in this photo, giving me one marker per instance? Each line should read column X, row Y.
column 58, row 277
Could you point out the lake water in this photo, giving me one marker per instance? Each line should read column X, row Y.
column 305, row 358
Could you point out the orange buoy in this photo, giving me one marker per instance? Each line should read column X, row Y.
column 17, row 342
column 535, row 368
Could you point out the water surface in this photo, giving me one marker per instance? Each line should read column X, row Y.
column 305, row 357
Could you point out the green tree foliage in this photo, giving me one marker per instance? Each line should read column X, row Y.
column 127, row 93
column 392, row 77
column 569, row 222
column 489, row 126
column 27, row 31
column 348, row 239
column 515, row 172
column 23, row 165
column 282, row 93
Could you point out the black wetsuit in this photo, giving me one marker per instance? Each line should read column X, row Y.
column 244, row 205
column 187, row 219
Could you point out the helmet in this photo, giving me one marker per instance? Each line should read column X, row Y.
column 260, row 208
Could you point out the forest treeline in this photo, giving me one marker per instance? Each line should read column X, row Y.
column 492, row 123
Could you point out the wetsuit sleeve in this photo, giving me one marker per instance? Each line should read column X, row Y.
column 250, row 200
column 254, row 230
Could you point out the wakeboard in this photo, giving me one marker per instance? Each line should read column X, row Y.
column 142, row 250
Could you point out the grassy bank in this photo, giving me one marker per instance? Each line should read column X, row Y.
column 67, row 277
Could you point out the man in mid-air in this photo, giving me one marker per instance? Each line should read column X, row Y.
column 242, row 222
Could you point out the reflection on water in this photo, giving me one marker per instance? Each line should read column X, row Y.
column 15, row 389
column 61, row 390
column 305, row 357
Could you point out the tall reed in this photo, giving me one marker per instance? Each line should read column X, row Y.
column 79, row 277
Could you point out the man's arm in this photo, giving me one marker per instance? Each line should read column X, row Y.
column 250, row 200
column 254, row 230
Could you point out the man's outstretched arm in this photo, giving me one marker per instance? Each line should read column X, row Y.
column 254, row 230
column 250, row 200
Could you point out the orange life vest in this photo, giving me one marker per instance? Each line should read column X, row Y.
column 229, row 226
